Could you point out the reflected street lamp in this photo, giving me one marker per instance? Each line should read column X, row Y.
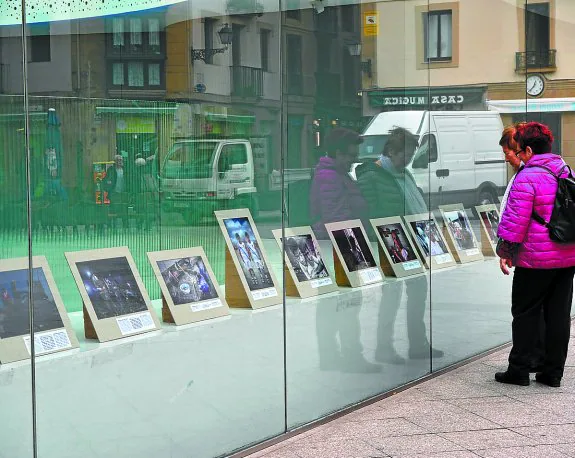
column 225, row 34
column 355, row 50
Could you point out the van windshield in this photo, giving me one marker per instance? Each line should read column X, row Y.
column 372, row 146
column 190, row 160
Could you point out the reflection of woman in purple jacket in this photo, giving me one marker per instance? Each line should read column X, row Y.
column 543, row 278
column 334, row 196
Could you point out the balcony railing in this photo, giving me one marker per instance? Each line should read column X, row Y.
column 535, row 59
column 247, row 81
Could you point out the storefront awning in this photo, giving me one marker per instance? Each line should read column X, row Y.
column 243, row 119
column 532, row 105
column 136, row 110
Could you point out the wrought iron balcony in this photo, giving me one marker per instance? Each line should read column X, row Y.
column 535, row 59
column 247, row 81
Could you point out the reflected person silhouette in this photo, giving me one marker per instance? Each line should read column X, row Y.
column 390, row 190
column 339, row 334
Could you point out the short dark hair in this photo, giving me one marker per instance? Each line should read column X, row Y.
column 340, row 139
column 400, row 140
column 535, row 135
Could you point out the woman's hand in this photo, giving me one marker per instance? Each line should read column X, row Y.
column 505, row 265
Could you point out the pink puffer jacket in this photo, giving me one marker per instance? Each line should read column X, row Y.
column 535, row 188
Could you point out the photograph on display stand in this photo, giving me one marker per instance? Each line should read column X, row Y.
column 14, row 304
column 111, row 287
column 249, row 254
column 187, row 280
column 429, row 238
column 396, row 243
column 460, row 229
column 305, row 258
column 354, row 249
column 490, row 220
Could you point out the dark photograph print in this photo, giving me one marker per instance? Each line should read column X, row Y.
column 354, row 249
column 491, row 221
column 112, row 287
column 396, row 243
column 460, row 229
column 187, row 280
column 428, row 237
column 249, row 254
column 305, row 259
column 14, row 305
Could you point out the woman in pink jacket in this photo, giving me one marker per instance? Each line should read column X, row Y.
column 544, row 270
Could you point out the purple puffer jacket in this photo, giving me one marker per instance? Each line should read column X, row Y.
column 334, row 196
column 535, row 188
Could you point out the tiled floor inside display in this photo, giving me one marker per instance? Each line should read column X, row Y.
column 461, row 414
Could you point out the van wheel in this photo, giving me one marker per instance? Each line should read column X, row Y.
column 486, row 198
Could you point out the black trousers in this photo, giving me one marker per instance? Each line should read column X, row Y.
column 535, row 291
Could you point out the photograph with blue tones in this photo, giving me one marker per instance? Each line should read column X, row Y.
column 14, row 304
column 111, row 287
column 187, row 280
column 429, row 238
column 248, row 252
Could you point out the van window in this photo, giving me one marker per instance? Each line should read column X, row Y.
column 189, row 160
column 372, row 146
column 231, row 155
column 426, row 153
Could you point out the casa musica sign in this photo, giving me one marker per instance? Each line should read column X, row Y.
column 422, row 100
column 422, row 97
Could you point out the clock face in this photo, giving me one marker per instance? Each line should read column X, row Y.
column 535, row 85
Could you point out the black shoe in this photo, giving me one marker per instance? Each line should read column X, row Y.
column 536, row 368
column 542, row 377
column 511, row 378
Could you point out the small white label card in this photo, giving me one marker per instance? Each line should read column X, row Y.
column 206, row 305
column 410, row 265
column 472, row 252
column 443, row 258
column 370, row 275
column 264, row 293
column 135, row 323
column 318, row 283
column 48, row 341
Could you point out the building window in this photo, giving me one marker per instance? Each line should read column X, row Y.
column 293, row 10
column 118, row 32
column 294, row 65
column 437, row 30
column 154, row 32
column 40, row 43
column 135, row 74
column 118, row 74
column 209, row 39
column 348, row 21
column 136, row 33
column 537, row 28
column 265, row 49
column 350, row 76
column 154, row 78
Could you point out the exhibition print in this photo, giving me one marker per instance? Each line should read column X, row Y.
column 396, row 243
column 187, row 280
column 14, row 303
column 428, row 237
column 248, row 253
column 354, row 249
column 111, row 287
column 305, row 258
column 460, row 228
column 490, row 220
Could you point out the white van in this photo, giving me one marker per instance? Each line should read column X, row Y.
column 459, row 159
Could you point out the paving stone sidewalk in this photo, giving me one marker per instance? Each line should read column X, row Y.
column 461, row 414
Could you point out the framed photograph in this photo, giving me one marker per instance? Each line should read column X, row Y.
column 489, row 219
column 250, row 281
column 190, row 291
column 353, row 259
column 116, row 303
column 397, row 255
column 308, row 274
column 52, row 329
column 429, row 241
column 459, row 234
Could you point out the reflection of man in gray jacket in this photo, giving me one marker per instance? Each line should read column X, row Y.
column 390, row 190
